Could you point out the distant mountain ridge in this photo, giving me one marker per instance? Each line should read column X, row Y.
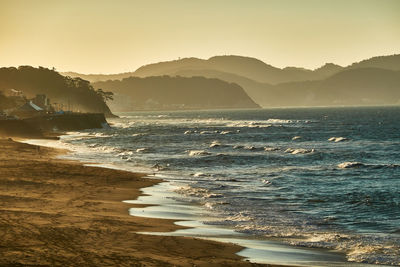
column 270, row 86
column 248, row 67
column 364, row 86
column 175, row 93
column 236, row 64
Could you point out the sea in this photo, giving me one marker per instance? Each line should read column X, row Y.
column 324, row 178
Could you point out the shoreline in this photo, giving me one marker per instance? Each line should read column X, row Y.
column 160, row 201
column 60, row 212
column 154, row 203
column 163, row 204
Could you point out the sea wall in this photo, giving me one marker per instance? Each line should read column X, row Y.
column 18, row 128
column 68, row 122
column 38, row 126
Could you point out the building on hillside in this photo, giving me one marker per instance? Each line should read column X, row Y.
column 16, row 93
column 42, row 101
column 28, row 110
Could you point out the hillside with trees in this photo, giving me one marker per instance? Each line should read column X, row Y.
column 6, row 102
column 171, row 93
column 71, row 93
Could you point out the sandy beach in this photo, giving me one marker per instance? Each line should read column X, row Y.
column 60, row 213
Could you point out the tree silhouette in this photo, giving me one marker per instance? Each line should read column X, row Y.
column 105, row 95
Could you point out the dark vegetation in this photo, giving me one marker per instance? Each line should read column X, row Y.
column 6, row 102
column 75, row 94
column 164, row 92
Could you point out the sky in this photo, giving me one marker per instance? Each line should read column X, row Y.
column 113, row 36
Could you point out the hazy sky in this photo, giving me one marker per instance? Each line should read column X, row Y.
column 99, row 36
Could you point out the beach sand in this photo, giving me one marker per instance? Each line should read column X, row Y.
column 60, row 213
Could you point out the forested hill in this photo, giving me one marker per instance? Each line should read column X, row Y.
column 73, row 92
column 164, row 92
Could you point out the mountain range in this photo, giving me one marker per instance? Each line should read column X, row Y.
column 373, row 81
column 172, row 93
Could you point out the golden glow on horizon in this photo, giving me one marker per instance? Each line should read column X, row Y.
column 119, row 36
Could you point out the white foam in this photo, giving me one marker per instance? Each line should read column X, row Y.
column 350, row 164
column 215, row 144
column 338, row 139
column 271, row 148
column 199, row 174
column 198, row 153
column 279, row 121
column 295, row 151
column 225, row 132
column 142, row 150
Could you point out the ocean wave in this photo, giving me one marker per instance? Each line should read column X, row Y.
column 125, row 154
column 295, row 151
column 248, row 124
column 215, row 144
column 199, row 174
column 355, row 164
column 143, row 150
column 338, row 139
column 249, row 147
column 208, row 132
column 191, row 191
column 351, row 164
column 266, row 182
column 197, row 192
column 253, row 148
column 138, row 134
column 279, row 121
column 104, row 148
column 267, row 148
column 358, row 248
column 366, row 249
column 198, row 153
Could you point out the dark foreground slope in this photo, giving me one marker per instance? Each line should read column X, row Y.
column 164, row 92
column 75, row 93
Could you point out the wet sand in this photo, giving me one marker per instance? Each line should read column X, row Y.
column 60, row 213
